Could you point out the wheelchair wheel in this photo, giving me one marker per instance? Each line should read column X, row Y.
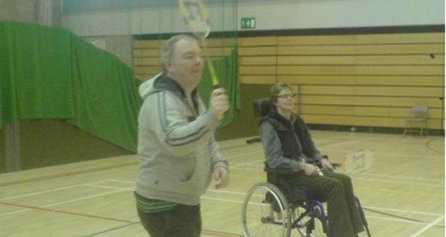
column 265, row 212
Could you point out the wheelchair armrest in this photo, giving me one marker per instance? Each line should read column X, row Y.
column 279, row 170
column 334, row 164
column 290, row 171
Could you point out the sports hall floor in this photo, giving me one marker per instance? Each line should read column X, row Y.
column 403, row 191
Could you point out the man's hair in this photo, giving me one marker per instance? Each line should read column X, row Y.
column 275, row 91
column 168, row 48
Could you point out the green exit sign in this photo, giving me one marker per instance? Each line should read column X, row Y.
column 248, row 22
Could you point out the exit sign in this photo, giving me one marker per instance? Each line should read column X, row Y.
column 248, row 22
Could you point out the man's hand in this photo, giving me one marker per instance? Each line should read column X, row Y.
column 219, row 103
column 222, row 177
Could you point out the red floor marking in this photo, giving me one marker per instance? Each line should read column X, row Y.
column 64, row 174
column 66, row 212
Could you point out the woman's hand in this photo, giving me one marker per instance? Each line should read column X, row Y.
column 326, row 164
column 310, row 170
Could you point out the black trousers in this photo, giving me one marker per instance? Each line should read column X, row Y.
column 337, row 190
column 181, row 221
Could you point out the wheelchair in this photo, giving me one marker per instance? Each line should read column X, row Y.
column 273, row 208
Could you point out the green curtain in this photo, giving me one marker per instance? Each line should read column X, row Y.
column 106, row 102
column 52, row 73
column 227, row 69
column 8, row 108
column 34, row 60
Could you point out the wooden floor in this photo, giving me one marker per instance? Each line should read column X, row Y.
column 403, row 192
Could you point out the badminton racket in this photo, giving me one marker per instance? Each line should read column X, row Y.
column 196, row 17
column 358, row 161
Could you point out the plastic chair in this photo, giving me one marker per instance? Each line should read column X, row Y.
column 417, row 120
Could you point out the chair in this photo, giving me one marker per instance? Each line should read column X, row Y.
column 417, row 120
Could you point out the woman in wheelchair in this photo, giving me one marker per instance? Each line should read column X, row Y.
column 288, row 144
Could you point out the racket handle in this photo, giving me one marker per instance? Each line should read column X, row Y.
column 215, row 81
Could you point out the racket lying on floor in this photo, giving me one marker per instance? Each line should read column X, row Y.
column 196, row 17
column 358, row 161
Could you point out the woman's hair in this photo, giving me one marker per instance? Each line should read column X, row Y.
column 168, row 48
column 275, row 91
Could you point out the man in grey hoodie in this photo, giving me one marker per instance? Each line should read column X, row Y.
column 176, row 143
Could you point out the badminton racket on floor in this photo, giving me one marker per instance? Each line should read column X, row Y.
column 196, row 17
column 358, row 161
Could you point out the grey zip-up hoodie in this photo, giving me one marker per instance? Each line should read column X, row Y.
column 176, row 144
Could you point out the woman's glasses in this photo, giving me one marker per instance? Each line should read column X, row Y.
column 287, row 96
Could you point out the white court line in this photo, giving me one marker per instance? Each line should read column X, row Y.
column 48, row 191
column 122, row 181
column 379, row 153
column 244, row 193
column 224, row 191
column 368, row 217
column 324, row 138
column 116, row 190
column 40, row 192
column 397, row 220
column 428, row 226
column 404, row 211
column 370, row 207
column 103, row 186
column 403, row 177
column 83, row 198
column 400, row 182
column 366, row 179
column 221, row 199
column 59, row 203
column 334, row 143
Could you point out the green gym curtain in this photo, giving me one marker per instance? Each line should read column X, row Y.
column 227, row 70
column 35, row 72
column 51, row 73
column 106, row 102
column 48, row 72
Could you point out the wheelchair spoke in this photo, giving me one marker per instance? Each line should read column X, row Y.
column 265, row 213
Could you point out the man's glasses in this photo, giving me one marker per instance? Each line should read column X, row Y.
column 287, row 96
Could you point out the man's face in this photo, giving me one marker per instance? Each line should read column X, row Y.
column 186, row 65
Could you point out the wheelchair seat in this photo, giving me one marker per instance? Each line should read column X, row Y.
column 278, row 177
